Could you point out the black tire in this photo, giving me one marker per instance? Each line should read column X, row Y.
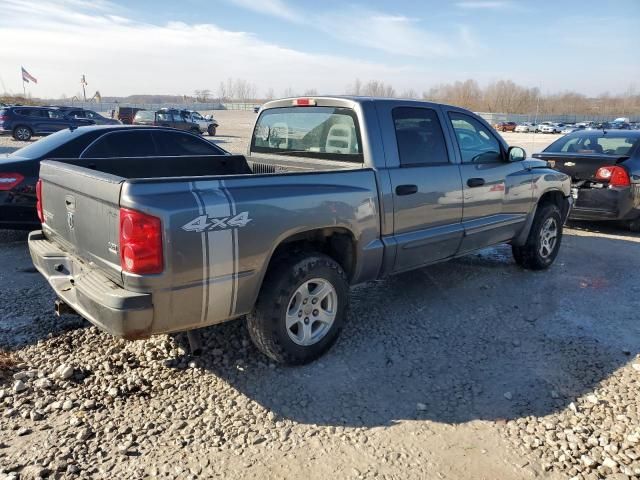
column 634, row 225
column 211, row 130
column 22, row 133
column 529, row 255
column 195, row 131
column 267, row 323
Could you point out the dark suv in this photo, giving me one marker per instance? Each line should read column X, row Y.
column 26, row 122
column 166, row 117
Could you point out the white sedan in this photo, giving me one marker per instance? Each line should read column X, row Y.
column 525, row 127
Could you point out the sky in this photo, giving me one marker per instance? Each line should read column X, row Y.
column 177, row 47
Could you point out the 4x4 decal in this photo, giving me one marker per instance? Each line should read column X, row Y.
column 205, row 223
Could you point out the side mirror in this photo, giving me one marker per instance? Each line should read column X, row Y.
column 516, row 154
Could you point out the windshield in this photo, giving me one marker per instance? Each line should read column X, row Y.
column 330, row 133
column 47, row 144
column 601, row 143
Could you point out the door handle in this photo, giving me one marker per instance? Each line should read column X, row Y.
column 475, row 182
column 406, row 189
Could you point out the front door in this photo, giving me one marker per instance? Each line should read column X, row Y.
column 427, row 189
column 497, row 193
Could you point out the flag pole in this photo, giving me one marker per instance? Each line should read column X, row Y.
column 24, row 89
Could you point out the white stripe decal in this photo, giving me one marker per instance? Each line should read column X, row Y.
column 219, row 281
column 205, row 261
column 236, row 254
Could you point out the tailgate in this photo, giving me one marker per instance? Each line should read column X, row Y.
column 579, row 167
column 81, row 213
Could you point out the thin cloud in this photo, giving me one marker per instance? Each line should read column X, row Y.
column 125, row 56
column 396, row 34
column 484, row 5
column 273, row 8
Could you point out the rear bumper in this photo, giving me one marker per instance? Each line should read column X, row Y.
column 607, row 204
column 90, row 293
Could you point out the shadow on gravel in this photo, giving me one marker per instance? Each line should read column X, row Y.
column 475, row 338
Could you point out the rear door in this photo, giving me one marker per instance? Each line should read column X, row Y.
column 498, row 194
column 426, row 183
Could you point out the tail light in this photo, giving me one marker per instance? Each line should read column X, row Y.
column 10, row 180
column 140, row 242
column 304, row 102
column 615, row 175
column 39, row 200
column 3, row 118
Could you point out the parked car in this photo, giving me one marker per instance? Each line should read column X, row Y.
column 19, row 170
column 91, row 115
column 525, row 127
column 206, row 124
column 127, row 114
column 571, row 128
column 549, row 127
column 605, row 170
column 166, row 117
column 505, row 126
column 180, row 245
column 26, row 122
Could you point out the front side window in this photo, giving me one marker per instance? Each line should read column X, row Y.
column 330, row 133
column 419, row 136
column 475, row 141
column 122, row 144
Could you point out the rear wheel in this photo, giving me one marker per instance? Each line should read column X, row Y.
column 544, row 240
column 212, row 130
column 22, row 133
column 634, row 225
column 301, row 308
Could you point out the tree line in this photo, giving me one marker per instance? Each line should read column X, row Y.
column 502, row 96
column 505, row 96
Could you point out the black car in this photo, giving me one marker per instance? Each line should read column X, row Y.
column 19, row 170
column 605, row 169
column 95, row 117
column 25, row 122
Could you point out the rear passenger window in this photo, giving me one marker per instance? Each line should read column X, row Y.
column 175, row 143
column 122, row 144
column 419, row 137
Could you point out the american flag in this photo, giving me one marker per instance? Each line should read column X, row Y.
column 27, row 77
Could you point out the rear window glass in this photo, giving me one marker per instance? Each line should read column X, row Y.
column 603, row 144
column 145, row 116
column 330, row 133
column 46, row 145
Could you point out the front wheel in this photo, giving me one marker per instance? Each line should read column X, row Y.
column 22, row 133
column 301, row 308
column 212, row 130
column 544, row 240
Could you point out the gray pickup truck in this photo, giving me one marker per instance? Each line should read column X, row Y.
column 334, row 191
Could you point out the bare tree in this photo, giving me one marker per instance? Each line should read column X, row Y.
column 310, row 92
column 289, row 92
column 356, row 88
column 270, row 95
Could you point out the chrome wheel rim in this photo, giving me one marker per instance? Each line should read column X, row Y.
column 548, row 237
column 311, row 311
column 22, row 134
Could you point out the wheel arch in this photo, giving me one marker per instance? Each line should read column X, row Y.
column 552, row 196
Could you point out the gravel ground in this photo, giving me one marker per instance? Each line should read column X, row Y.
column 470, row 369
